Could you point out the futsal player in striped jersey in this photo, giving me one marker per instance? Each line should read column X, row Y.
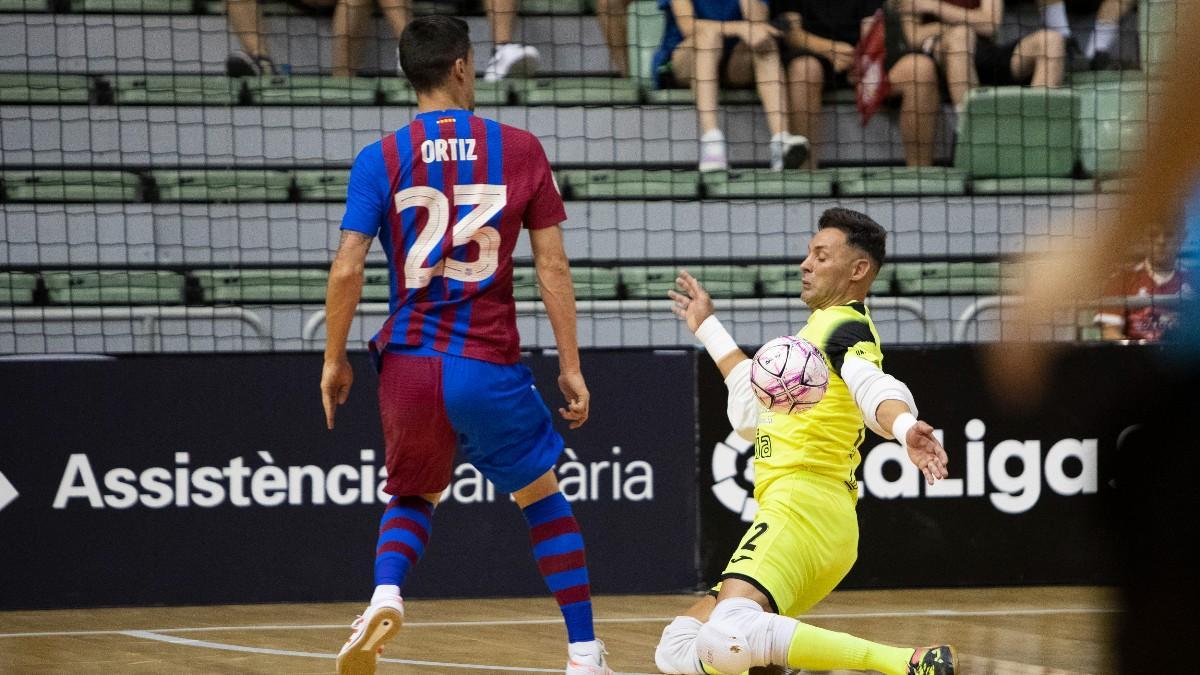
column 447, row 196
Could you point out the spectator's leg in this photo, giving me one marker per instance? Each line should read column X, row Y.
column 613, row 23
column 398, row 14
column 502, row 15
column 350, row 20
column 805, row 82
column 956, row 54
column 1108, row 26
column 1054, row 16
column 702, row 68
column 1043, row 56
column 246, row 23
column 914, row 79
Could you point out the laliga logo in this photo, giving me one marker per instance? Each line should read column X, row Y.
column 1069, row 468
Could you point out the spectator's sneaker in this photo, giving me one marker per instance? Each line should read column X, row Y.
column 595, row 666
column 939, row 660
column 511, row 59
column 712, row 151
column 369, row 632
column 788, row 151
column 241, row 64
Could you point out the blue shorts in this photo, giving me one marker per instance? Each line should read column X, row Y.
column 431, row 402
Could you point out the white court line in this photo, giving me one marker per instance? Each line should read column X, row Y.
column 936, row 613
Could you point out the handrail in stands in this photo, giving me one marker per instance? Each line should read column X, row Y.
column 149, row 316
column 971, row 313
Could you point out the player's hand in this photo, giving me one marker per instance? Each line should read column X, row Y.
column 692, row 303
column 575, row 391
column 336, row 378
column 926, row 453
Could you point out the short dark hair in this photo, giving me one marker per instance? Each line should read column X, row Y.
column 429, row 46
column 861, row 232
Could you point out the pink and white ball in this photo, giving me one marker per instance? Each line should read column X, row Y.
column 789, row 375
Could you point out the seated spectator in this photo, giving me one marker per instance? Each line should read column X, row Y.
column 710, row 43
column 819, row 39
column 614, row 24
column 960, row 35
column 508, row 57
column 1106, row 31
column 350, row 18
column 1158, row 274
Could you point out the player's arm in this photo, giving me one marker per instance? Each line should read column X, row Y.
column 694, row 305
column 341, row 300
column 888, row 408
column 558, row 295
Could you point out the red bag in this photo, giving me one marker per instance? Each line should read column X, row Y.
column 870, row 70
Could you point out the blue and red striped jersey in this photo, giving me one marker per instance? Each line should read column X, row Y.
column 447, row 196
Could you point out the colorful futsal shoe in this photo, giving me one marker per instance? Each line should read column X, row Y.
column 939, row 660
column 575, row 667
column 371, row 631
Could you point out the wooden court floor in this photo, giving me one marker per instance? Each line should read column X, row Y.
column 1006, row 631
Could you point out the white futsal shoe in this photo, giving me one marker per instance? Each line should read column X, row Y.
column 378, row 624
column 591, row 664
column 511, row 60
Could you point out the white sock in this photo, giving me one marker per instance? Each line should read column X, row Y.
column 585, row 652
column 676, row 650
column 1055, row 17
column 385, row 592
column 712, row 135
column 1103, row 38
column 769, row 635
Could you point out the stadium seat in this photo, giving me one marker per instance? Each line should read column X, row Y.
column 584, row 184
column 1112, row 120
column 313, row 90
column 1033, row 185
column 376, row 285
column 558, row 7
column 785, row 280
column 178, row 90
column 24, row 6
column 767, row 184
column 685, row 97
column 133, row 6
column 114, row 288
column 525, row 284
column 576, row 91
column 322, row 185
column 947, row 278
column 905, row 181
column 210, row 185
column 41, row 88
column 1008, row 132
column 17, row 288
column 595, row 283
column 645, row 22
column 722, row 281
column 262, row 285
column 78, row 185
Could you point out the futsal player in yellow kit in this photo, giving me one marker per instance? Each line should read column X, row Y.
column 804, row 539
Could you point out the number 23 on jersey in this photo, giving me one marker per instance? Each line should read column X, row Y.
column 488, row 200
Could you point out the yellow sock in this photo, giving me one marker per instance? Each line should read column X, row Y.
column 819, row 649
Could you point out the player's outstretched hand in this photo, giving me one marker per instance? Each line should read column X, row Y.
column 336, row 378
column 692, row 302
column 925, row 451
column 578, row 399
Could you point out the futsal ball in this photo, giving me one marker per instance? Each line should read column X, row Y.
column 788, row 375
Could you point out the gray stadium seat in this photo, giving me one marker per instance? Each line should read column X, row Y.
column 177, row 90
column 41, row 88
column 241, row 185
column 77, row 185
column 313, row 90
column 114, row 288
column 1008, row 132
column 577, row 91
column 17, row 288
column 262, row 285
column 785, row 280
column 767, row 184
column 905, row 181
column 722, row 281
column 322, row 185
column 586, row 184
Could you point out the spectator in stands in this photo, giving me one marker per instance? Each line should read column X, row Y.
column 508, row 57
column 350, row 18
column 613, row 23
column 819, row 42
column 709, row 43
column 961, row 36
column 1106, row 31
column 1158, row 274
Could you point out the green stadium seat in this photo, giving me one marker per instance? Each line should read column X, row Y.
column 76, row 185
column 685, row 97
column 722, row 281
column 262, row 285
column 114, row 288
column 767, row 184
column 577, row 91
column 905, row 181
column 313, row 90
column 24, row 6
column 557, row 7
column 1112, row 121
column 947, row 278
column 1034, row 185
column 1115, row 185
column 40, row 88
column 211, row 185
column 17, row 288
column 1158, row 24
column 786, row 281
column 1008, row 132
column 595, row 283
column 376, row 285
column 178, row 90
column 133, row 6
column 645, row 23
column 583, row 184
column 525, row 284
column 322, row 185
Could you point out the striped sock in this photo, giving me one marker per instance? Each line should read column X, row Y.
column 558, row 549
column 403, row 533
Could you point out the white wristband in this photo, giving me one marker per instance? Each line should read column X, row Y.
column 716, row 340
column 904, row 421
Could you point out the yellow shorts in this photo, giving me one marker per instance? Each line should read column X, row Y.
column 801, row 544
